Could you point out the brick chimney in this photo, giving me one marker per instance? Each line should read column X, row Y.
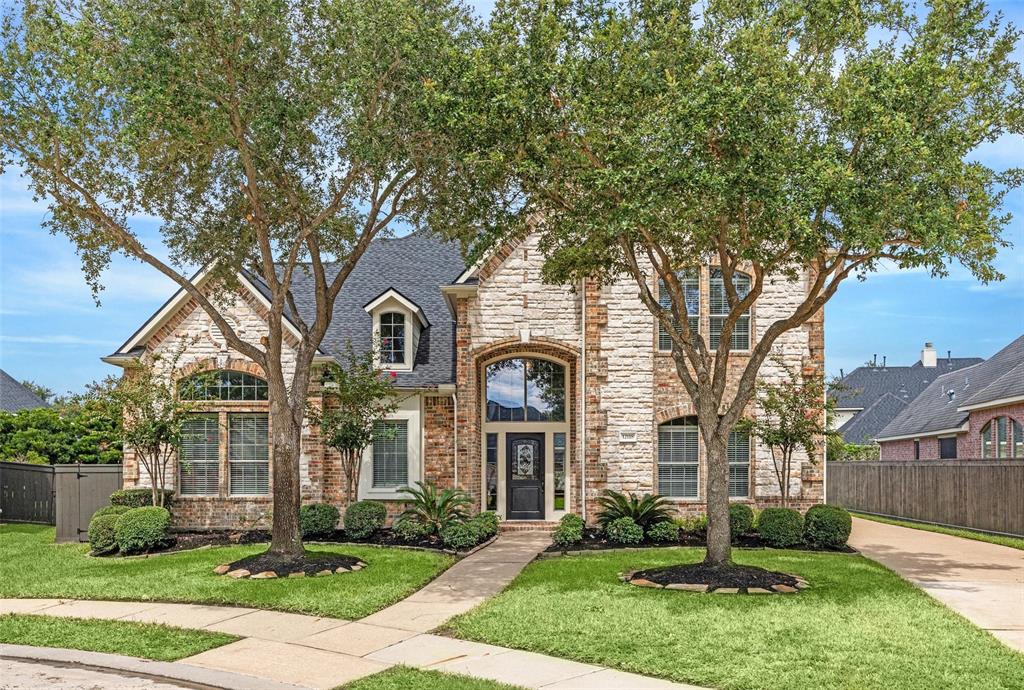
column 929, row 358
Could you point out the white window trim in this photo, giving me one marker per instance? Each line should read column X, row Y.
column 366, row 488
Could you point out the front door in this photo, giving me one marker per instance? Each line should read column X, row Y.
column 524, row 462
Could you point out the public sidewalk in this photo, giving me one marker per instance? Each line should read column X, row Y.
column 982, row 582
column 316, row 652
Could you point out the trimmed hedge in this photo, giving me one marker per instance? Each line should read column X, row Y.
column 741, row 519
column 624, row 530
column 667, row 531
column 487, row 522
column 318, row 520
column 827, row 526
column 101, row 533
column 138, row 498
column 363, row 518
column 110, row 510
column 780, row 527
column 569, row 531
column 462, row 536
column 142, row 529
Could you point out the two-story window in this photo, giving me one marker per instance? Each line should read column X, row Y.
column 717, row 310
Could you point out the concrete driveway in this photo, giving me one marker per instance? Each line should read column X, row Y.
column 982, row 582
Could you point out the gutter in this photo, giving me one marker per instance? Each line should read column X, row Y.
column 923, row 434
column 583, row 402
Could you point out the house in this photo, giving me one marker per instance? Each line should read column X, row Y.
column 532, row 397
column 976, row 412
column 871, row 396
column 14, row 396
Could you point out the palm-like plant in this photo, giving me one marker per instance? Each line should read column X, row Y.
column 645, row 510
column 434, row 509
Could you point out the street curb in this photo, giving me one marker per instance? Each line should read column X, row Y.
column 194, row 676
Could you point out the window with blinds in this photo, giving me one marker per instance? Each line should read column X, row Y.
column 690, row 282
column 248, row 454
column 391, row 453
column 738, row 452
column 678, row 458
column 719, row 310
column 199, row 463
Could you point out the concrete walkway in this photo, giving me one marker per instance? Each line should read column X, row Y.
column 982, row 582
column 316, row 652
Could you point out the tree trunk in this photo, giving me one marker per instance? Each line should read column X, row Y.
column 286, row 533
column 719, row 537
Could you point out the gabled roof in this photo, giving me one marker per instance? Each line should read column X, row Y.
column 936, row 410
column 864, row 385
column 14, row 396
column 866, row 424
column 393, row 294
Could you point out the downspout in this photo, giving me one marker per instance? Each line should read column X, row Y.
column 583, row 402
column 824, row 454
column 455, row 434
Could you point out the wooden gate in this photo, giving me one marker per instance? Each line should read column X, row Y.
column 26, row 493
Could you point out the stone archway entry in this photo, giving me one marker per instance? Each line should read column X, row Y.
column 524, row 481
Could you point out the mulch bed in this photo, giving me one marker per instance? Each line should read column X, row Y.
column 717, row 576
column 315, row 562
column 594, row 540
column 187, row 540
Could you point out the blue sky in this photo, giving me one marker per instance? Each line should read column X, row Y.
column 52, row 332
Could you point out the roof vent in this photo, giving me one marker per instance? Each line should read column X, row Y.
column 951, row 394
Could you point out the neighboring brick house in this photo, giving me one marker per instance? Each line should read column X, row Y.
column 974, row 413
column 529, row 396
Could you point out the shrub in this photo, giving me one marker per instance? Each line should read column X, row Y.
column 101, row 533
column 827, row 526
column 663, row 531
column 697, row 524
column 110, row 510
column 741, row 519
column 461, row 536
column 644, row 511
column 410, row 530
column 363, row 518
column 569, row 531
column 142, row 529
column 780, row 527
column 318, row 520
column 624, row 530
column 435, row 509
column 138, row 498
column 487, row 522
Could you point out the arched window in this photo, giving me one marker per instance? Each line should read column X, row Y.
column 392, row 338
column 719, row 310
column 690, row 283
column 986, row 440
column 525, row 390
column 223, row 385
column 1018, row 439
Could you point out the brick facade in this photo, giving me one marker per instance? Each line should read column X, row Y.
column 968, row 443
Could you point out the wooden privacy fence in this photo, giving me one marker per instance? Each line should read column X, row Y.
column 64, row 495
column 978, row 494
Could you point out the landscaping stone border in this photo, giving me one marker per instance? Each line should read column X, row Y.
column 243, row 574
column 801, row 584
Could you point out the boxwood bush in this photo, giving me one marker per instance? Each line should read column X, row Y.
column 110, row 510
column 569, row 531
column 624, row 530
column 741, row 519
column 142, row 529
column 780, row 527
column 101, row 533
column 138, row 498
column 695, row 524
column 410, row 530
column 666, row 531
column 363, row 518
column 462, row 536
column 827, row 526
column 487, row 523
column 318, row 520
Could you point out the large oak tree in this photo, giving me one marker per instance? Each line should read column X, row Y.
column 805, row 140
column 274, row 136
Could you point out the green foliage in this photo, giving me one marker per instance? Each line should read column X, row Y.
column 138, row 498
column 644, row 511
column 461, row 536
column 827, row 526
column 741, row 519
column 101, row 533
column 112, row 510
column 435, row 509
column 666, row 531
column 142, row 529
column 569, row 531
column 318, row 520
column 780, row 527
column 841, row 451
column 80, row 429
column 487, row 522
column 624, row 530
column 363, row 518
column 696, row 524
column 411, row 530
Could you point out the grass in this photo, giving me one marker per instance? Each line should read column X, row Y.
column 859, row 626
column 404, row 678
column 145, row 640
column 1001, row 540
column 31, row 565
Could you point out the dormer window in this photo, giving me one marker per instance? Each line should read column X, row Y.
column 398, row 323
column 392, row 338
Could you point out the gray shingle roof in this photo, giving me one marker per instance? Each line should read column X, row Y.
column 864, row 385
column 14, row 396
column 934, row 410
column 866, row 424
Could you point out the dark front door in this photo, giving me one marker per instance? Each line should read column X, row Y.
column 524, row 463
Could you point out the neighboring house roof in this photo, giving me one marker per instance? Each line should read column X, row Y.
column 936, row 410
column 866, row 424
column 14, row 396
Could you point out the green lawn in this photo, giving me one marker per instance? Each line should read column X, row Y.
column 145, row 640
column 859, row 626
column 31, row 565
column 405, row 678
column 1012, row 542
